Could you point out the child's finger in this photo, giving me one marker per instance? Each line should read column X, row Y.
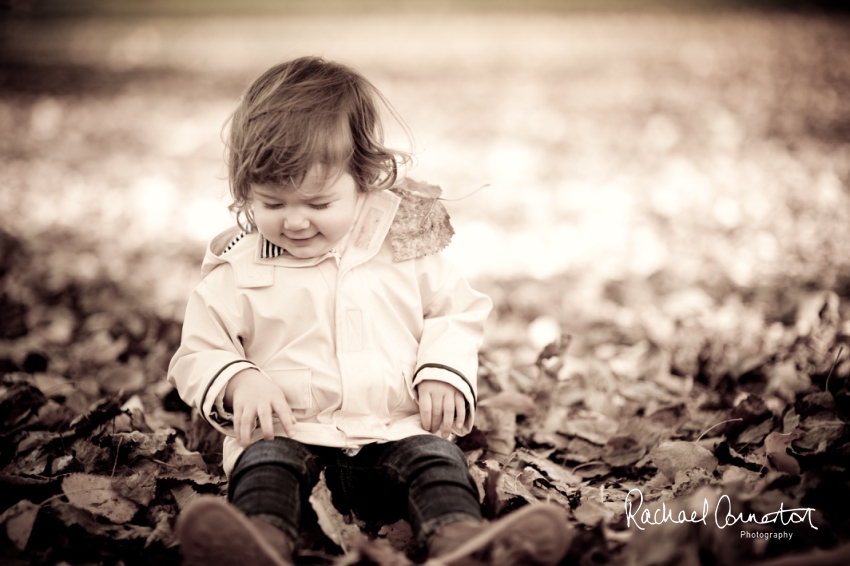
column 436, row 414
column 247, row 424
column 460, row 410
column 237, row 416
column 425, row 411
column 284, row 415
column 448, row 415
column 264, row 412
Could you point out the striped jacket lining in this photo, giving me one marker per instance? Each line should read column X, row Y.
column 268, row 249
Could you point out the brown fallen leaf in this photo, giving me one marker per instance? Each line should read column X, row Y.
column 590, row 470
column 71, row 515
column 622, row 451
column 821, row 430
column 398, row 534
column 331, row 521
column 193, row 474
column 514, row 401
column 140, row 486
column 18, row 520
column 511, row 485
column 786, row 381
column 755, row 433
column 53, row 385
column 33, row 464
column 162, row 516
column 142, row 444
column 184, row 494
column 597, row 431
column 500, row 428
column 751, row 410
column 672, row 457
column 776, row 446
column 181, row 456
column 114, row 377
column 96, row 495
column 591, row 513
column 688, row 481
column 552, row 470
column 376, row 552
column 91, row 456
column 17, row 403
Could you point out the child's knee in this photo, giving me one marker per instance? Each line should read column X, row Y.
column 279, row 451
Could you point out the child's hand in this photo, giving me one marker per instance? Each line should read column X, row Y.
column 253, row 395
column 439, row 403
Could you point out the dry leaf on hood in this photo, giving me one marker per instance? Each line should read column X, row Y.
column 421, row 226
column 96, row 495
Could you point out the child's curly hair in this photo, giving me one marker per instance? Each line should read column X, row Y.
column 308, row 112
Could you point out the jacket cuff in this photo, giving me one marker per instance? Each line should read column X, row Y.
column 212, row 401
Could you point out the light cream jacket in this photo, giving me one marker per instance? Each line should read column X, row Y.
column 346, row 337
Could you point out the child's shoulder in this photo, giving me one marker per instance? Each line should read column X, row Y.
column 236, row 248
column 422, row 224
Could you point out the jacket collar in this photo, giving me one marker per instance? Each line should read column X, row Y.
column 379, row 214
column 373, row 219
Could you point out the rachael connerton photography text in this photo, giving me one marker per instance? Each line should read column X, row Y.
column 722, row 514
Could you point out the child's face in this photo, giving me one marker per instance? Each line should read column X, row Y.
column 309, row 220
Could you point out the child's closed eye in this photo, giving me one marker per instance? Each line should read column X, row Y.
column 319, row 206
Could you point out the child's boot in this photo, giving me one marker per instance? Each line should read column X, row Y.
column 536, row 534
column 211, row 531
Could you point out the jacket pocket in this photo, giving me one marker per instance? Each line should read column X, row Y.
column 295, row 384
column 401, row 389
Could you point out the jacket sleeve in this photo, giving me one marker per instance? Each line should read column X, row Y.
column 210, row 353
column 453, row 332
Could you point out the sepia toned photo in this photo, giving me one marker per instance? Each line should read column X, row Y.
column 449, row 282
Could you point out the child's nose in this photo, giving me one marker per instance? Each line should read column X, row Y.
column 296, row 222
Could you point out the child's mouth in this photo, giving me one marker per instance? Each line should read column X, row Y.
column 300, row 241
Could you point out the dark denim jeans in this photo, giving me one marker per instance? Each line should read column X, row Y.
column 424, row 479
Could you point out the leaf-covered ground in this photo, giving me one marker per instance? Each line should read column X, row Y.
column 99, row 454
column 683, row 177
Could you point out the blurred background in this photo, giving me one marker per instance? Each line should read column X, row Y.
column 659, row 146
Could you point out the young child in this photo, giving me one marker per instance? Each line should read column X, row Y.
column 331, row 335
